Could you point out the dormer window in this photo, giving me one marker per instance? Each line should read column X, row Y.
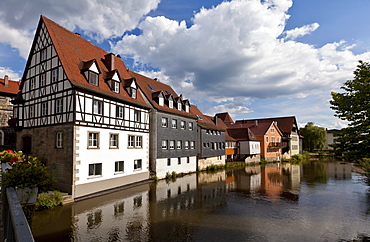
column 186, row 108
column 133, row 92
column 170, row 104
column 113, row 80
column 91, row 72
column 130, row 87
column 115, row 86
column 179, row 106
column 161, row 101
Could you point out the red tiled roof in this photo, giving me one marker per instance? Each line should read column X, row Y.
column 11, row 90
column 149, row 86
column 285, row 124
column 206, row 121
column 226, row 118
column 74, row 51
column 259, row 129
column 242, row 134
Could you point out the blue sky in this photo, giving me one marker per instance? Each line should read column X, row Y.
column 251, row 58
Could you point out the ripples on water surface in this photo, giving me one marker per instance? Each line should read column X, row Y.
column 317, row 201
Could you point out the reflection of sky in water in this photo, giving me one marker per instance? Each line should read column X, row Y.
column 312, row 202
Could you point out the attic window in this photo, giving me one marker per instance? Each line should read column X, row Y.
column 199, row 117
column 93, row 78
column 151, row 87
column 179, row 106
column 115, row 86
column 186, row 108
column 161, row 101
column 131, row 91
column 170, row 103
column 168, row 92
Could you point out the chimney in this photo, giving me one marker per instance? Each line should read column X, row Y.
column 256, row 122
column 6, row 81
column 109, row 61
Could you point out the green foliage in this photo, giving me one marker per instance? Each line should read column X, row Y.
column 155, row 178
column 353, row 105
column 168, row 175
column 298, row 158
column 314, row 137
column 25, row 172
column 48, row 200
column 174, row 174
column 215, row 167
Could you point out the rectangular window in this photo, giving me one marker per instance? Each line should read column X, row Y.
column 170, row 104
column 42, row 79
column 188, row 160
column 272, row 139
column 164, row 144
column 131, row 141
column 133, row 92
column 190, row 126
column 93, row 78
column 32, row 83
column 186, row 144
column 172, row 144
column 267, row 139
column 137, row 164
column 179, row 145
column 164, row 122
column 272, row 130
column 179, row 106
column 97, row 107
column 179, row 160
column 139, row 142
column 43, row 55
column 120, row 112
column 137, row 116
column 95, row 169
column 115, row 86
column 182, row 124
column 32, row 111
column 59, row 105
column 119, row 166
column 169, row 162
column 192, row 145
column 59, row 140
column 54, row 75
column 44, row 109
column 113, row 141
column 174, row 123
column 93, row 140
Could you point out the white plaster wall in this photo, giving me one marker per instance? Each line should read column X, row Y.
column 294, row 141
column 107, row 156
column 184, row 167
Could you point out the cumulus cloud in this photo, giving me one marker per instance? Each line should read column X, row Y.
column 98, row 19
column 235, row 50
column 10, row 73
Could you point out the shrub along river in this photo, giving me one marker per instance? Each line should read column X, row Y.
column 315, row 201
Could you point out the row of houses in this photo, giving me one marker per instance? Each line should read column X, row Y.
column 100, row 126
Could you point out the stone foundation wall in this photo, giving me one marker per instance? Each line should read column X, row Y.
column 253, row 159
column 203, row 163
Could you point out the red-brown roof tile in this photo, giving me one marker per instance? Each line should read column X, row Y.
column 226, row 118
column 205, row 121
column 11, row 90
column 285, row 124
column 149, row 86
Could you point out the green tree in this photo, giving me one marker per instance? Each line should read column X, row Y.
column 314, row 137
column 353, row 105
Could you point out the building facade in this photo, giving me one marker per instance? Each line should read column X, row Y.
column 79, row 112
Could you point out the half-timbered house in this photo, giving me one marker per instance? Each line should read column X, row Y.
column 172, row 129
column 80, row 112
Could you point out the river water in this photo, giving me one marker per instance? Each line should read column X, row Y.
column 316, row 201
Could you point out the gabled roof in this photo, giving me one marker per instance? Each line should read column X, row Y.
column 285, row 124
column 225, row 117
column 11, row 90
column 206, row 121
column 77, row 54
column 242, row 134
column 147, row 85
column 259, row 128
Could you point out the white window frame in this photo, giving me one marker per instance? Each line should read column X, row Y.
column 131, row 141
column 93, row 78
column 191, row 126
column 179, row 106
column 186, row 144
column 120, row 112
column 54, row 75
column 170, row 104
column 138, row 141
column 174, row 123
column 93, row 140
column 192, row 145
column 115, row 86
column 44, row 108
column 164, row 144
column 119, row 167
column 95, row 170
column 137, row 116
column 32, row 83
column 97, row 107
column 59, row 105
column 182, row 124
column 164, row 122
column 179, row 144
column 138, row 164
column 113, row 141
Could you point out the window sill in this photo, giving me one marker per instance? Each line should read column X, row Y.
column 93, row 148
column 138, row 169
column 119, row 172
column 93, row 177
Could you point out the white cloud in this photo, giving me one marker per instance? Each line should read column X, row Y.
column 98, row 19
column 235, row 50
column 10, row 73
column 302, row 31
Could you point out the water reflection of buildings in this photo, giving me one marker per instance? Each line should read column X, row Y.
column 141, row 213
column 177, row 207
column 339, row 171
column 271, row 182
